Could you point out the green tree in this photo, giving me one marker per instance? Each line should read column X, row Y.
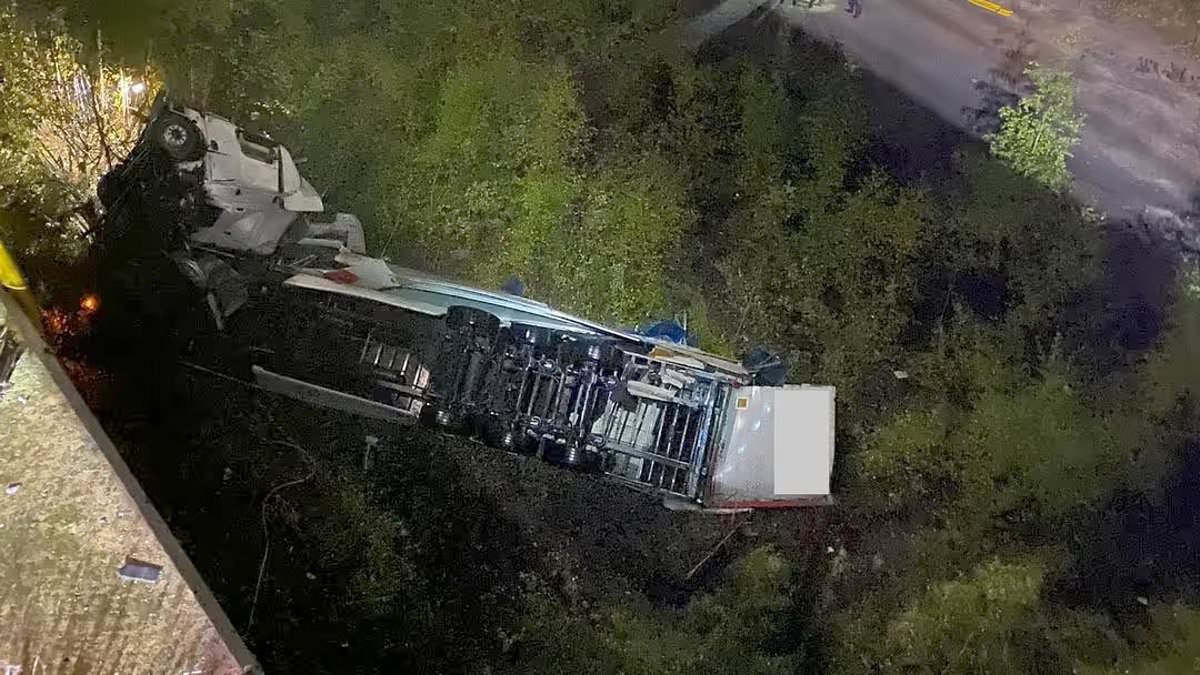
column 66, row 117
column 1036, row 135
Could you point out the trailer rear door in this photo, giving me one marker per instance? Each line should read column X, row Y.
column 778, row 449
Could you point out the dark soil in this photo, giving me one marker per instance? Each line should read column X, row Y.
column 417, row 561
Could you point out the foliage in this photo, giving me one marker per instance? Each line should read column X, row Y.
column 991, row 620
column 725, row 632
column 605, row 257
column 1014, row 250
column 909, row 465
column 1170, row 645
column 1047, row 453
column 1036, row 134
column 823, row 276
column 987, row 622
column 971, row 626
column 1171, row 376
column 64, row 121
column 1020, row 458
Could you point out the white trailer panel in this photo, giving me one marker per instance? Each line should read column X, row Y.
column 778, row 450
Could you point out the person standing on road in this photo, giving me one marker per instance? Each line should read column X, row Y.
column 854, row 8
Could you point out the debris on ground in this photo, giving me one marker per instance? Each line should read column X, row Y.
column 140, row 570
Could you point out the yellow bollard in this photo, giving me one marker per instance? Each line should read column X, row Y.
column 14, row 282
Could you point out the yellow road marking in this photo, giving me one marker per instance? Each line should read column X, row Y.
column 991, row 7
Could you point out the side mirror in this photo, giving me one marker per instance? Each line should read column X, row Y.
column 285, row 167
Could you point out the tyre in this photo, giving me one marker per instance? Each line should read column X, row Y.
column 178, row 136
column 571, row 455
column 495, row 433
column 437, row 416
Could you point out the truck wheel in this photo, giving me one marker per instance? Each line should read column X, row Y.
column 178, row 137
column 441, row 417
column 572, row 455
column 495, row 433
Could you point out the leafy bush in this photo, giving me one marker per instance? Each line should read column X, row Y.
column 725, row 632
column 909, row 465
column 1022, row 458
column 1171, row 376
column 990, row 621
column 1170, row 645
column 1036, row 134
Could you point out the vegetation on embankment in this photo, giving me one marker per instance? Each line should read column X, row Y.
column 1017, row 385
column 1176, row 20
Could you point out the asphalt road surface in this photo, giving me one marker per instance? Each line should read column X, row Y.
column 1141, row 144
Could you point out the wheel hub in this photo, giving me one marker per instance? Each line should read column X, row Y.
column 175, row 135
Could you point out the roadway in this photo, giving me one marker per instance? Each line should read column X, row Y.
column 1141, row 143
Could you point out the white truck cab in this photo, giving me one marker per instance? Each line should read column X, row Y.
column 250, row 179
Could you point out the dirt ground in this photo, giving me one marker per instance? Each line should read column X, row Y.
column 415, row 556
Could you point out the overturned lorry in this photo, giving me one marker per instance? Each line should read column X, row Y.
column 337, row 328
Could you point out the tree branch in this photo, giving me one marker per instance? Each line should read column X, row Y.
column 99, row 118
